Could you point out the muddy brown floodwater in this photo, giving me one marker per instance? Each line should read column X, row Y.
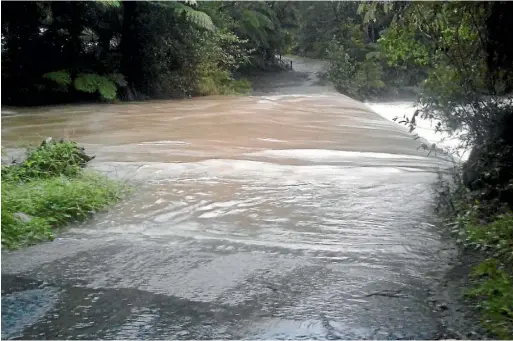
column 294, row 213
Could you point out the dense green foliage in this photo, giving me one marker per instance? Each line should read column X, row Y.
column 464, row 49
column 347, row 34
column 48, row 190
column 77, row 50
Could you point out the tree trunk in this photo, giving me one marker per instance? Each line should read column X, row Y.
column 131, row 47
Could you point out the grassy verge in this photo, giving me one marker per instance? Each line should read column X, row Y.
column 488, row 228
column 49, row 190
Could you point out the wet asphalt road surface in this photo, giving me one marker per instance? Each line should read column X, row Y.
column 295, row 213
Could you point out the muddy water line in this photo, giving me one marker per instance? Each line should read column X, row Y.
column 313, row 194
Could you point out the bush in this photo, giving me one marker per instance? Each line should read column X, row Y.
column 217, row 56
column 50, row 189
column 358, row 79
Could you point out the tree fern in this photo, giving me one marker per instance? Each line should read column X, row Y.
column 61, row 77
column 86, row 82
column 264, row 20
column 198, row 18
column 106, row 88
column 256, row 20
column 91, row 82
column 109, row 3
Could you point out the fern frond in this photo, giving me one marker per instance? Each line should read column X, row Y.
column 91, row 82
column 60, row 77
column 264, row 20
column 251, row 19
column 254, row 26
column 109, row 3
column 86, row 82
column 107, row 88
column 198, row 18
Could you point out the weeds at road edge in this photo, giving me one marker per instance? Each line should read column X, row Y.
column 488, row 228
column 50, row 189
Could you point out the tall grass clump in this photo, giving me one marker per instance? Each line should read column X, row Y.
column 50, row 189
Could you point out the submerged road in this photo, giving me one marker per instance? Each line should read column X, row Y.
column 295, row 213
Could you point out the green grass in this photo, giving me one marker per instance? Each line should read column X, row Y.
column 493, row 290
column 492, row 279
column 487, row 227
column 496, row 236
column 49, row 190
column 53, row 202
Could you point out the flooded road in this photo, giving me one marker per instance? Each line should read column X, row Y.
column 295, row 213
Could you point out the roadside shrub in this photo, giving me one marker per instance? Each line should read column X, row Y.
column 217, row 56
column 358, row 79
column 342, row 70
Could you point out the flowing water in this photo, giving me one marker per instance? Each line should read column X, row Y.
column 296, row 212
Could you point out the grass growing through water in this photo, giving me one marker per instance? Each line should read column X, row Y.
column 50, row 189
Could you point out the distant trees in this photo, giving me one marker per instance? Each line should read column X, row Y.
column 77, row 50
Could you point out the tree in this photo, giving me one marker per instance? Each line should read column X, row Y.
column 111, row 49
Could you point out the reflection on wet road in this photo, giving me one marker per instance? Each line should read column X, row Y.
column 295, row 213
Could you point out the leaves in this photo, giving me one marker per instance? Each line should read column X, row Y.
column 198, row 18
column 109, row 3
column 107, row 88
column 62, row 77
column 98, row 47
column 87, row 82
column 91, row 83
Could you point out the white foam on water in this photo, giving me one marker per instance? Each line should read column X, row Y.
column 292, row 97
column 271, row 140
column 158, row 143
column 253, row 172
column 331, row 155
column 265, row 101
column 425, row 127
